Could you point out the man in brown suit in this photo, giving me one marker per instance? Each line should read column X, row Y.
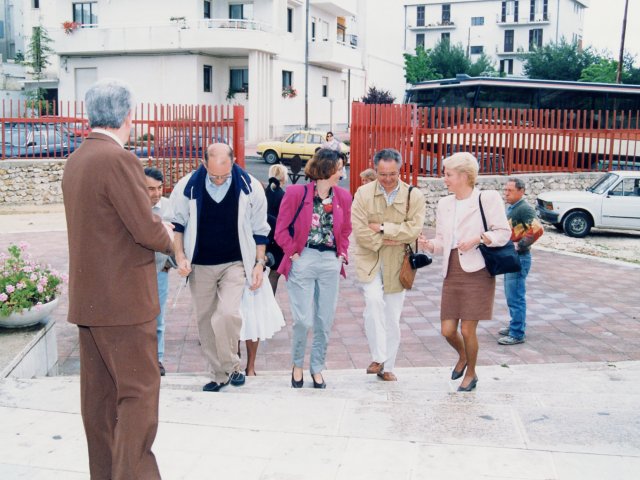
column 113, row 293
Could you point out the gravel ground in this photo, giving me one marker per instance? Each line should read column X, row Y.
column 612, row 244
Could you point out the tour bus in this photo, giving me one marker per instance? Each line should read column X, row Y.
column 540, row 121
column 493, row 92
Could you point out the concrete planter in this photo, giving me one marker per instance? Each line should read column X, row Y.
column 29, row 317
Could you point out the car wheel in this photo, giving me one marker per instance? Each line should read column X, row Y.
column 270, row 157
column 558, row 226
column 577, row 224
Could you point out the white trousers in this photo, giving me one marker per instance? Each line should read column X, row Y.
column 382, row 321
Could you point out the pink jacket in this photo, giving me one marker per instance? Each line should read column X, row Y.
column 290, row 203
column 470, row 225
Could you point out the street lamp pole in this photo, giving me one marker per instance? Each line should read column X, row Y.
column 306, row 67
column 624, row 31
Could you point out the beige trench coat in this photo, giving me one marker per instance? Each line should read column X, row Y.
column 370, row 206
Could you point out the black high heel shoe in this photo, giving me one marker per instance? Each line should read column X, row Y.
column 471, row 386
column 297, row 383
column 457, row 374
column 316, row 384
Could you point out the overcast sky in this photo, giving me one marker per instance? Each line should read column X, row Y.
column 603, row 26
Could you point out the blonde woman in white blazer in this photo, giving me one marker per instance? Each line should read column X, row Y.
column 468, row 290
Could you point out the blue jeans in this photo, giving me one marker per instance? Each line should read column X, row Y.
column 163, row 293
column 515, row 291
column 313, row 295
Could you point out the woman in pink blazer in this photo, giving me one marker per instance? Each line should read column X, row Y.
column 468, row 289
column 313, row 230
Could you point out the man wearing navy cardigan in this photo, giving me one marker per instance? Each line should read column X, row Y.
column 220, row 219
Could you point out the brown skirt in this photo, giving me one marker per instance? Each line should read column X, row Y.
column 466, row 295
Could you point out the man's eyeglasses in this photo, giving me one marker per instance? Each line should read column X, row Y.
column 219, row 177
column 388, row 175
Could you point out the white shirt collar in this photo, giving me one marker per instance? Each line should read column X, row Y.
column 108, row 134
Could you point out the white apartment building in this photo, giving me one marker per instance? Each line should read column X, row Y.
column 226, row 52
column 500, row 29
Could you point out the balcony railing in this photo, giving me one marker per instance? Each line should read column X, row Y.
column 220, row 34
column 509, row 20
column 447, row 24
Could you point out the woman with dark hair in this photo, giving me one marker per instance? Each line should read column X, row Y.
column 313, row 230
column 332, row 143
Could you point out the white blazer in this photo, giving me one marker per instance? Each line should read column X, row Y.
column 468, row 225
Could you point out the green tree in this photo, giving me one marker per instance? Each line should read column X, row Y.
column 39, row 52
column 378, row 96
column 558, row 61
column 418, row 68
column 443, row 61
column 603, row 70
column 481, row 67
column 449, row 60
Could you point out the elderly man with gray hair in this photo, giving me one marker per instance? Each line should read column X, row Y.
column 387, row 214
column 113, row 292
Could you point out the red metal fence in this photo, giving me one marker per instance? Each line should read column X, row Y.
column 504, row 141
column 172, row 138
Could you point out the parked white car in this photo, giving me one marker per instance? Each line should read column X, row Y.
column 611, row 202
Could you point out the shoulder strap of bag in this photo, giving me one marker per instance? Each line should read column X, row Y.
column 411, row 187
column 484, row 220
column 304, row 196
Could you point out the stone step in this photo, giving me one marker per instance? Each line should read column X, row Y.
column 534, row 421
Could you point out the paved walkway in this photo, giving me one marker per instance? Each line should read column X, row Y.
column 580, row 310
column 562, row 406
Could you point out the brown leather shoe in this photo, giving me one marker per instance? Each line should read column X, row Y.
column 375, row 368
column 387, row 376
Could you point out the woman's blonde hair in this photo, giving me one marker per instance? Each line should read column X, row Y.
column 278, row 171
column 463, row 162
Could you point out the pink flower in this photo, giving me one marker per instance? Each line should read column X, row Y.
column 27, row 269
column 43, row 281
column 23, row 246
column 33, row 277
column 40, row 289
column 3, row 297
column 20, row 285
column 10, row 289
column 315, row 220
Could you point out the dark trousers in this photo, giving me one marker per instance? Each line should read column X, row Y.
column 120, row 389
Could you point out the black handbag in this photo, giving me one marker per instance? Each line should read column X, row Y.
column 499, row 260
column 291, row 228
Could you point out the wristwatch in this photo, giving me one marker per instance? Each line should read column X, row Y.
column 261, row 261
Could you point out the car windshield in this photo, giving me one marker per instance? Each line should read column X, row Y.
column 603, row 184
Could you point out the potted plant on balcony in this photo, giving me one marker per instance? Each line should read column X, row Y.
column 70, row 27
column 289, row 92
column 29, row 291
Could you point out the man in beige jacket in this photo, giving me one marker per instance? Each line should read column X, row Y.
column 382, row 225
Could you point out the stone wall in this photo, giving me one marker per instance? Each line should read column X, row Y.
column 434, row 189
column 31, row 182
column 37, row 182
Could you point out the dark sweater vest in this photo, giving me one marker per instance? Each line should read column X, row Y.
column 218, row 240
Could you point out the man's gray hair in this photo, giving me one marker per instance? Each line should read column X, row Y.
column 108, row 103
column 520, row 185
column 387, row 154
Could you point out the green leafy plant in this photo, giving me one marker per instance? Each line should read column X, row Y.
column 24, row 283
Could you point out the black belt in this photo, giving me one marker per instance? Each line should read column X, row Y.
column 321, row 247
column 523, row 252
